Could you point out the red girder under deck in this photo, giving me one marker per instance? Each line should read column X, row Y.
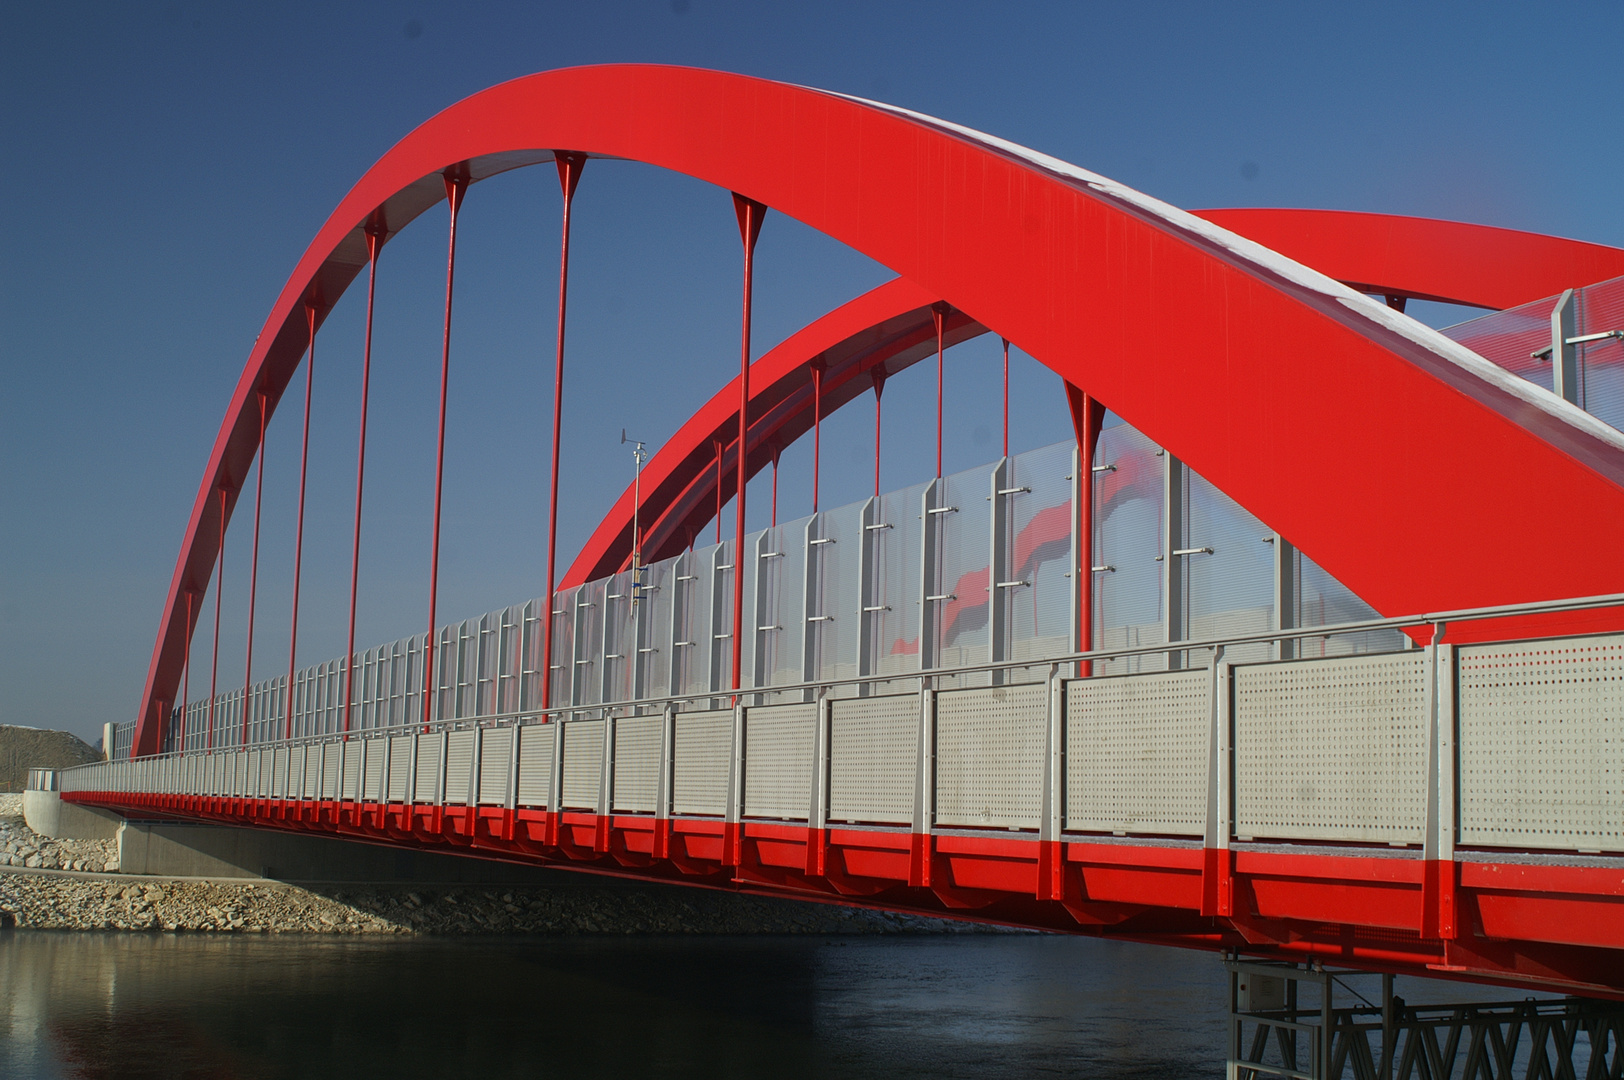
column 1545, row 926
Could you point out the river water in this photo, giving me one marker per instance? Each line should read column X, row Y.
column 128, row 1006
column 192, row 1006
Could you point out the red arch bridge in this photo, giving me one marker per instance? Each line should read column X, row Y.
column 1210, row 675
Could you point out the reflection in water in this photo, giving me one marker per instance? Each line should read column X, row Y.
column 136, row 1005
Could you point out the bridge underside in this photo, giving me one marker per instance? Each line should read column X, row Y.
column 1338, row 906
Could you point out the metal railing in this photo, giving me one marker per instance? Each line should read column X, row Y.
column 1398, row 749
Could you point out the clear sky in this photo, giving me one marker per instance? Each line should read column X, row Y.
column 166, row 164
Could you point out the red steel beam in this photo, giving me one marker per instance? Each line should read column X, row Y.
column 1257, row 337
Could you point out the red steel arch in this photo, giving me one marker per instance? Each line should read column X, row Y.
column 1269, row 378
column 890, row 328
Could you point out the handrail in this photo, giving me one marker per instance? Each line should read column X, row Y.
column 514, row 717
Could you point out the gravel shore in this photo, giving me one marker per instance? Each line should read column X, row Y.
column 39, row 889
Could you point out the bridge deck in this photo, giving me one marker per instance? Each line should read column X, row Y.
column 1447, row 810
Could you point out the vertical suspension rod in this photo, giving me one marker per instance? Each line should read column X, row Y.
column 456, row 185
column 186, row 673
column 775, row 487
column 938, row 312
column 298, row 532
column 879, row 390
column 569, row 175
column 375, row 237
column 1006, row 396
column 219, row 590
column 718, row 444
column 1093, row 417
column 253, row 568
column 750, row 214
column 817, row 427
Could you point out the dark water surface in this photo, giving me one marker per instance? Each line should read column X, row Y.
column 129, row 1006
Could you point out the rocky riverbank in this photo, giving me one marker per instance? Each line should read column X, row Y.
column 73, row 902
column 40, row 890
column 22, row 846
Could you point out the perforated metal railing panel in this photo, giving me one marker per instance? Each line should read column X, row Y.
column 332, row 767
column 351, row 755
column 1332, row 749
column 279, row 773
column 989, row 755
column 873, row 747
column 1542, row 743
column 495, row 747
column 459, row 767
column 426, row 782
column 583, row 764
column 400, row 766
column 778, row 744
column 637, row 763
column 535, row 764
column 377, row 751
column 701, row 743
column 1137, row 753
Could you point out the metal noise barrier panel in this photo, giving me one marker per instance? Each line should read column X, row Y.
column 459, row 767
column 637, row 763
column 279, row 773
column 583, row 764
column 873, row 751
column 535, row 764
column 1137, row 753
column 400, row 766
column 330, row 766
column 350, row 752
column 372, row 786
column 1332, row 749
column 989, row 755
column 495, row 749
column 703, row 741
column 428, row 769
column 1542, row 744
column 778, row 745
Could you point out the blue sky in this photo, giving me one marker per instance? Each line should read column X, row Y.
column 167, row 163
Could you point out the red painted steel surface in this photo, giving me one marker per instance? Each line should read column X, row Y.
column 1546, row 926
column 1249, row 369
column 1424, row 258
column 1275, row 384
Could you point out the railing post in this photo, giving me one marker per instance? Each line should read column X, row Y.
column 811, row 588
column 475, row 760
column 760, row 646
column 440, row 773
column 732, row 839
column 720, row 604
column 817, row 814
column 411, row 780
column 1438, row 915
column 1564, row 356
column 929, row 611
column 924, row 809
column 555, row 782
column 606, row 786
column 1051, row 824
column 1216, row 885
column 867, row 582
column 1285, row 596
column 997, row 576
column 662, row 784
column 1172, row 565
